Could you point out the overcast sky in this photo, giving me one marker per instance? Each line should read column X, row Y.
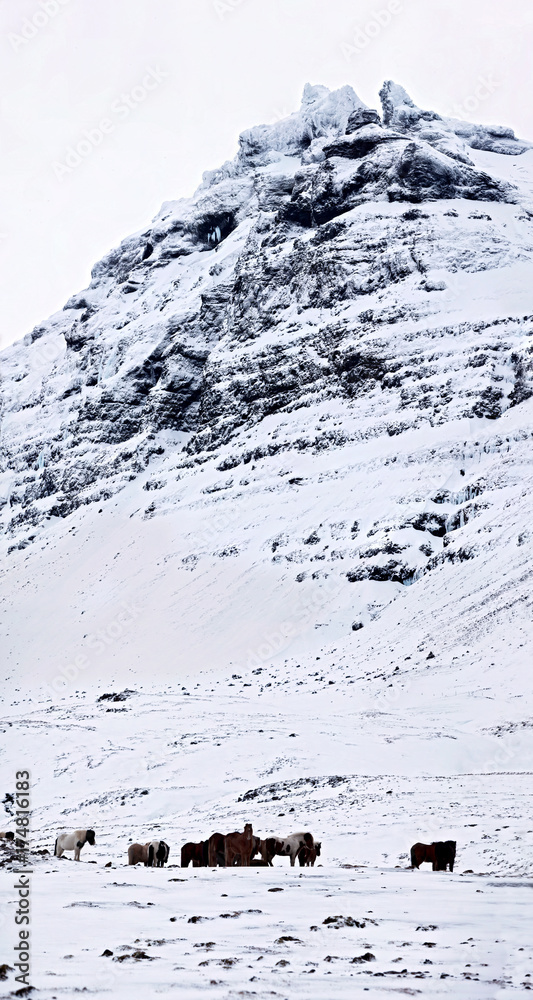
column 175, row 81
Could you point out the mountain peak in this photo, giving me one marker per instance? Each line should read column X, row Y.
column 398, row 106
column 323, row 114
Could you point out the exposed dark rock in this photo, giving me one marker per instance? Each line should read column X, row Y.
column 361, row 117
column 489, row 404
column 432, row 522
column 393, row 571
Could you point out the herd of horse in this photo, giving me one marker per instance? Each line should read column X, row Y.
column 230, row 849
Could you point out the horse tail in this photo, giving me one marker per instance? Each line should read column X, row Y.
column 413, row 858
column 55, row 847
column 151, row 856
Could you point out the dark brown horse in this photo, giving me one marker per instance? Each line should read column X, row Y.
column 197, row 853
column 421, row 853
column 440, row 854
column 308, row 855
column 239, row 845
column 269, row 848
column 266, row 848
column 256, row 847
column 216, row 850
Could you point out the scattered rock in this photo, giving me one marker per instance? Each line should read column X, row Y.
column 340, row 921
column 134, row 956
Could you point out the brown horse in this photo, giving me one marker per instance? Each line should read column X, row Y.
column 308, row 855
column 197, row 853
column 269, row 848
column 266, row 848
column 256, row 847
column 239, row 844
column 138, row 853
column 216, row 850
column 421, row 853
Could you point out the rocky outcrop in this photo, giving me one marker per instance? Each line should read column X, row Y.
column 450, row 135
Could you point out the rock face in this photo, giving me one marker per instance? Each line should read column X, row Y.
column 347, row 278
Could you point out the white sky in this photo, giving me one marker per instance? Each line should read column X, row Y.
column 226, row 69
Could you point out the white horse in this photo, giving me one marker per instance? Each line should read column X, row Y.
column 291, row 846
column 73, row 842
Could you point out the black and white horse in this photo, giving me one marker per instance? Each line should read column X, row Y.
column 158, row 853
column 73, row 842
column 291, row 846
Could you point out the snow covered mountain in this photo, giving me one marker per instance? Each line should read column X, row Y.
column 271, row 473
column 306, row 387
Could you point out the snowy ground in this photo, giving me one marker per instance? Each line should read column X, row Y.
column 365, row 780
column 259, row 933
